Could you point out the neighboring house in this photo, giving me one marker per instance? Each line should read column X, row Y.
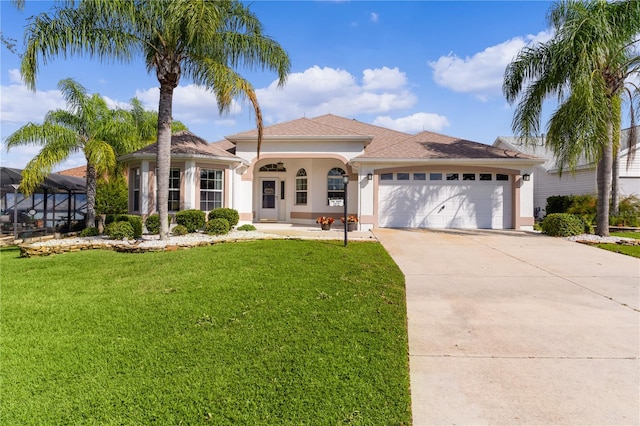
column 396, row 179
column 80, row 172
column 548, row 181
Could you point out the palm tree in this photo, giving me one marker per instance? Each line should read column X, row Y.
column 584, row 66
column 204, row 40
column 88, row 126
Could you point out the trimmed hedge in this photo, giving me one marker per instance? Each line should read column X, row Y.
column 89, row 232
column 179, row 230
column 192, row 219
column 119, row 230
column 246, row 227
column 218, row 226
column 134, row 220
column 562, row 225
column 232, row 215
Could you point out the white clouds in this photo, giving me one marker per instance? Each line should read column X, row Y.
column 415, row 123
column 373, row 17
column 318, row 91
column 19, row 105
column 482, row 74
column 191, row 104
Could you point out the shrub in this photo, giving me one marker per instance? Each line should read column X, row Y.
column 218, row 226
column 89, row 232
column 179, row 230
column 246, row 227
column 111, row 196
column 119, row 230
column 628, row 212
column 231, row 215
column 134, row 220
column 153, row 224
column 562, row 225
column 191, row 219
column 582, row 205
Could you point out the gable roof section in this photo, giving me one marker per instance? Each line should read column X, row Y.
column 184, row 144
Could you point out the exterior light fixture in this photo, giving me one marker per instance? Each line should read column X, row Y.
column 526, row 177
column 369, row 176
column 345, row 181
column 280, row 165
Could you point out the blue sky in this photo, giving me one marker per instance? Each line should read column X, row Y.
column 410, row 66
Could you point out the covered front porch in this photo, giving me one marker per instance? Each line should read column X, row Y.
column 297, row 190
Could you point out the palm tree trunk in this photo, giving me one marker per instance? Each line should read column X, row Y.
column 604, row 184
column 164, row 155
column 92, row 182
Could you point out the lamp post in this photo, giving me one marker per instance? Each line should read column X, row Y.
column 345, row 181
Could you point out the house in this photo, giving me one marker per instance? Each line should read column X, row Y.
column 548, row 179
column 395, row 179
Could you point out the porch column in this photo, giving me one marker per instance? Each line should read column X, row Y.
column 190, row 184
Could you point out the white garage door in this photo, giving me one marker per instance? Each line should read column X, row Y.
column 445, row 200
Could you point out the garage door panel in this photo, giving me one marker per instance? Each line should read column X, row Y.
column 427, row 205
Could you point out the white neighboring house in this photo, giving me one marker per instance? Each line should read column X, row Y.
column 548, row 181
column 396, row 179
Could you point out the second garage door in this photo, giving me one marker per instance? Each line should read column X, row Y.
column 445, row 200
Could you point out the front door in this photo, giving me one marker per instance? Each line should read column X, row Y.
column 268, row 203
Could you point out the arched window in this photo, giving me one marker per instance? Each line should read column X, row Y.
column 301, row 187
column 335, row 186
column 274, row 167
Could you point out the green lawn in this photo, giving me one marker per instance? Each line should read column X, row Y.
column 618, row 248
column 262, row 332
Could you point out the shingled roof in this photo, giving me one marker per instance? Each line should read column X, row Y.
column 429, row 145
column 301, row 127
column 184, row 144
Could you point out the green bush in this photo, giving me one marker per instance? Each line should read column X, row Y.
column 628, row 212
column 89, row 232
column 246, row 227
column 218, row 226
column 562, row 225
column 191, row 219
column 119, row 230
column 558, row 204
column 574, row 204
column 111, row 196
column 153, row 224
column 231, row 215
column 134, row 220
column 179, row 230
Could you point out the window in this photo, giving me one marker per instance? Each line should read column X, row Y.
column 174, row 189
column 275, row 167
column 335, row 186
column 502, row 177
column 468, row 176
column 282, row 190
column 301, row 187
column 211, row 187
column 419, row 176
column 452, row 176
column 403, row 176
column 136, row 189
column 386, row 176
column 485, row 176
column 435, row 176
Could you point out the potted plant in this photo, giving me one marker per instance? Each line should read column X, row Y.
column 325, row 222
column 352, row 222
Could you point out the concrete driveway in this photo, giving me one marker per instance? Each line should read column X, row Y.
column 509, row 327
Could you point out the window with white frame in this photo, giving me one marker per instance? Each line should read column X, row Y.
column 174, row 189
column 135, row 189
column 301, row 187
column 335, row 186
column 211, row 187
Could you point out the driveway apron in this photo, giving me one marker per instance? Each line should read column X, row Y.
column 509, row 327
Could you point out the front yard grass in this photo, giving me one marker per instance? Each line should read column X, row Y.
column 262, row 332
column 619, row 248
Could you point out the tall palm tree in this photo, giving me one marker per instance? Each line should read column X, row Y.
column 87, row 126
column 202, row 39
column 584, row 66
